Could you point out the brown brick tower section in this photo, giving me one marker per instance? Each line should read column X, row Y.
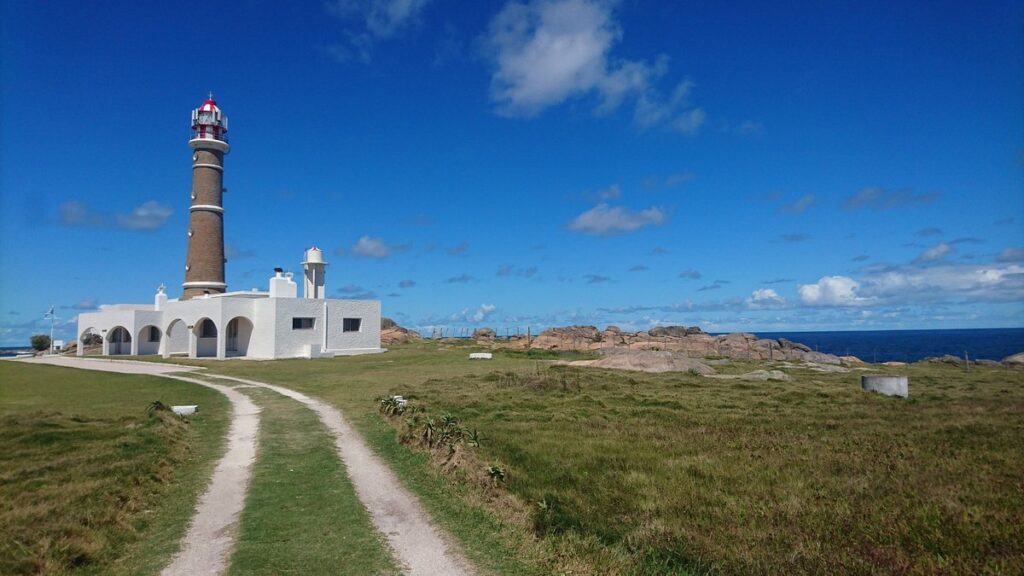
column 204, row 264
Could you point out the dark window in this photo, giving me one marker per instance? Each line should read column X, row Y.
column 351, row 324
column 207, row 329
column 302, row 323
column 154, row 334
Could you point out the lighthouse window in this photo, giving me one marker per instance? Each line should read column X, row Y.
column 351, row 324
column 302, row 323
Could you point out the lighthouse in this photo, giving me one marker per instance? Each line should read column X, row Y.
column 204, row 263
column 207, row 321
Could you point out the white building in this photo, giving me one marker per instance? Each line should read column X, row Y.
column 207, row 321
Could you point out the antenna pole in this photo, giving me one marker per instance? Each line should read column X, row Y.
column 52, row 318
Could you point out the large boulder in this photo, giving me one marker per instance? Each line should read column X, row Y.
column 395, row 334
column 674, row 331
column 789, row 345
column 484, row 334
column 1014, row 361
column 568, row 338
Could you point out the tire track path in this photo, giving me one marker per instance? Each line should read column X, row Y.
column 420, row 547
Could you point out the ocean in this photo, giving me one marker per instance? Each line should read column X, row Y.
column 911, row 345
column 881, row 345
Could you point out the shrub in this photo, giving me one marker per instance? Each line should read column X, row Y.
column 40, row 342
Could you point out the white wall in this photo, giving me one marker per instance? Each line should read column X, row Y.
column 368, row 337
column 272, row 335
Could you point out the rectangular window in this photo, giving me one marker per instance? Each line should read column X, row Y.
column 154, row 334
column 302, row 323
column 351, row 324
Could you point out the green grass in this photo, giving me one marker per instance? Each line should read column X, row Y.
column 629, row 473
column 89, row 483
column 302, row 515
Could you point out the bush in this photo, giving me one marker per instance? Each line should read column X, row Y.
column 40, row 342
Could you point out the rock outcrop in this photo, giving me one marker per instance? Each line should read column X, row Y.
column 392, row 333
column 484, row 333
column 1015, row 361
column 646, row 361
column 692, row 341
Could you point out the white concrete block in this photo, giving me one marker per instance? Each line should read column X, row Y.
column 888, row 385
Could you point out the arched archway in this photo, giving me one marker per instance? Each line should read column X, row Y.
column 238, row 333
column 205, row 331
column 175, row 338
column 148, row 340
column 90, row 342
column 119, row 341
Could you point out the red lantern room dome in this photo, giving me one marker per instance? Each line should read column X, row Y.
column 209, row 105
column 209, row 123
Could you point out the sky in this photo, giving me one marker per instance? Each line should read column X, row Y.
column 750, row 167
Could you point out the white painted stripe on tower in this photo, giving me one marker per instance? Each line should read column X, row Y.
column 207, row 207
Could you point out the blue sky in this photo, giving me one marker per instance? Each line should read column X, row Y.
column 813, row 166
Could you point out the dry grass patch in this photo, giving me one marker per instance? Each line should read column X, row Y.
column 85, row 488
column 650, row 474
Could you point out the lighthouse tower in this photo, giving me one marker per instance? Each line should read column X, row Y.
column 204, row 264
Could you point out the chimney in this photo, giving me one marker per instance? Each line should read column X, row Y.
column 281, row 285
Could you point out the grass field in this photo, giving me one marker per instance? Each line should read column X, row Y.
column 613, row 472
column 91, row 484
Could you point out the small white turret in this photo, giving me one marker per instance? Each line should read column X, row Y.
column 315, row 268
column 281, row 285
column 160, row 301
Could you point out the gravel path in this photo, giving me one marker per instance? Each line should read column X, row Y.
column 207, row 546
column 418, row 545
column 421, row 548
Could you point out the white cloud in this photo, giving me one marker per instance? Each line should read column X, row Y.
column 371, row 247
column 989, row 282
column 653, row 110
column 832, row 291
column 875, row 198
column 146, row 216
column 476, row 316
column 610, row 193
column 689, row 122
column 937, row 252
column 382, row 18
column 604, row 220
column 75, row 213
column 86, row 304
column 545, row 52
column 799, row 206
column 764, row 298
column 370, row 21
